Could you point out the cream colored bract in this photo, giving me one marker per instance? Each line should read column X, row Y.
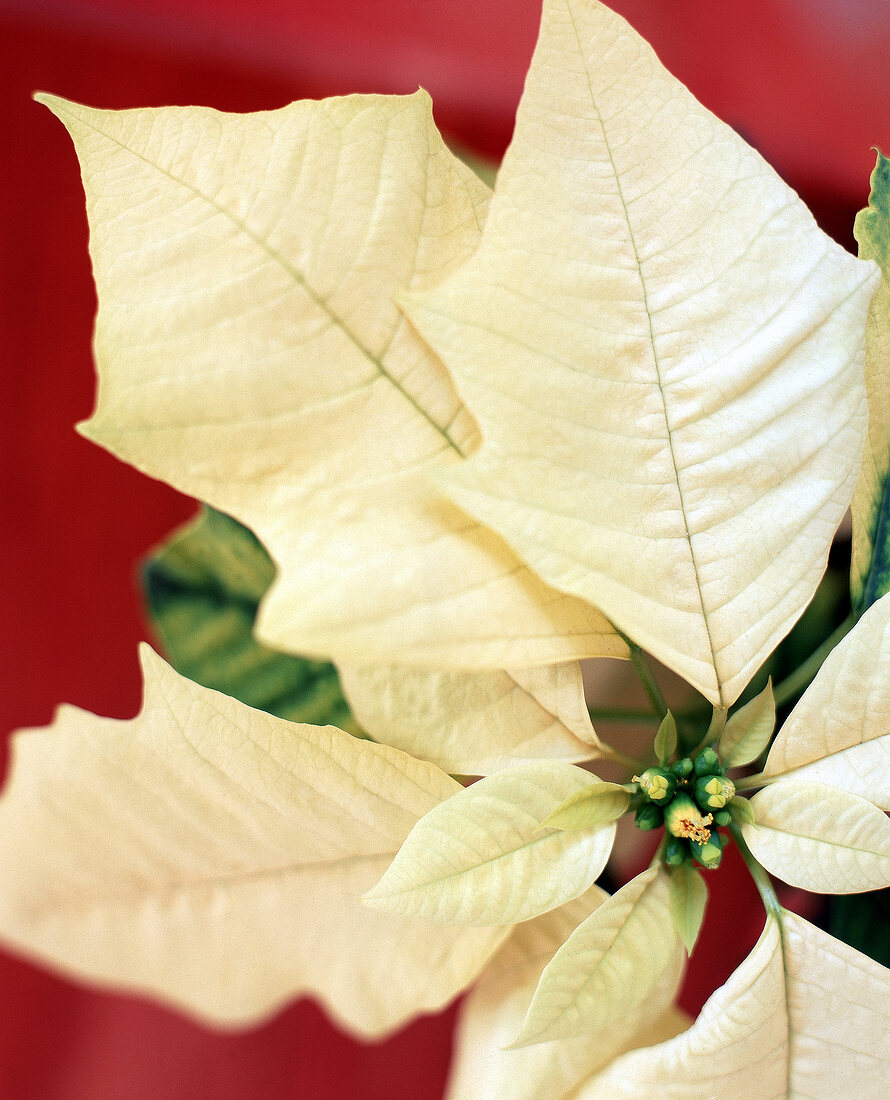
column 485, row 859
column 214, row 856
column 664, row 354
column 475, row 723
column 839, row 732
column 251, row 353
column 631, row 392
column 804, row 1015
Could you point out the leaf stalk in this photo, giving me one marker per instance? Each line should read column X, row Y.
column 647, row 679
column 761, row 878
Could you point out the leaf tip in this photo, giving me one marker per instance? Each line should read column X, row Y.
column 55, row 103
column 521, row 1040
column 379, row 896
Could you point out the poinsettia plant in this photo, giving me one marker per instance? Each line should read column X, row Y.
column 457, row 441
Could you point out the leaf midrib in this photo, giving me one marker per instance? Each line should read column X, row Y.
column 655, row 359
column 168, row 890
column 551, row 836
column 608, row 955
column 289, row 269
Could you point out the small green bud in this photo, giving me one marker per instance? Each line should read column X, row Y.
column 712, row 792
column 649, row 817
column 676, row 851
column 684, row 819
column 723, row 817
column 657, row 784
column 710, row 853
column 666, row 739
column 708, row 763
column 682, row 767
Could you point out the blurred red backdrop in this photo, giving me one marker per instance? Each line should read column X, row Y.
column 804, row 80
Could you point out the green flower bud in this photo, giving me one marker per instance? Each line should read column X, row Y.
column 682, row 767
column 708, row 854
column 657, row 784
column 676, row 851
column 684, row 819
column 708, row 763
column 723, row 817
column 712, row 792
column 649, row 817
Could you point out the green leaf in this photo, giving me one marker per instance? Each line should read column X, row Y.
column 597, row 806
column 689, row 896
column 748, row 731
column 863, row 922
column 870, row 569
column 203, row 587
column 666, row 739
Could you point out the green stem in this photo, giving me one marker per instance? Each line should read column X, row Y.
column 650, row 685
column 793, row 685
column 750, row 782
column 620, row 714
column 761, row 878
column 659, row 851
column 617, row 757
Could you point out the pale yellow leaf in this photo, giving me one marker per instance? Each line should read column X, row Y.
column 737, row 1046
column 803, row 1018
column 251, row 354
column 748, row 730
column 689, row 897
column 820, row 838
column 493, row 1014
column 664, row 355
column 839, row 1011
column 603, row 802
column 839, row 732
column 481, row 857
column 606, row 969
column 213, row 856
column 474, row 723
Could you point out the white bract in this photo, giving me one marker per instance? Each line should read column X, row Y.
column 820, row 823
column 214, row 856
column 643, row 442
column 628, row 410
column 804, row 1015
column 475, row 723
column 250, row 353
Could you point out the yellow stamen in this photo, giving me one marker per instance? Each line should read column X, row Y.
column 692, row 829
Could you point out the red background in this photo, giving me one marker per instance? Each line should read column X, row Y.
column 805, row 80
